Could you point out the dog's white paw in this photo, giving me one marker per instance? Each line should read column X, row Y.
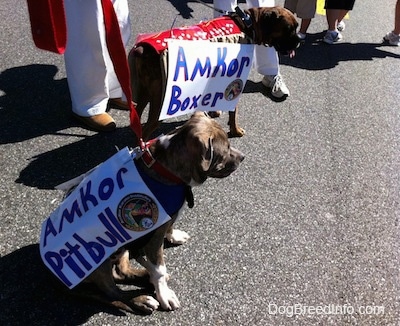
column 151, row 302
column 145, row 303
column 177, row 237
column 168, row 299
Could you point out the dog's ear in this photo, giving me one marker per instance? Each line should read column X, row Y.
column 207, row 155
column 265, row 22
column 269, row 19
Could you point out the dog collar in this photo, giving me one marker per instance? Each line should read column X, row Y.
column 152, row 163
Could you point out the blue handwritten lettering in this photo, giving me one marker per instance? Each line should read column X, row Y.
column 95, row 250
column 195, row 100
column 174, row 104
column 72, row 255
column 103, row 219
column 71, row 263
column 49, row 229
column 232, row 67
column 117, row 225
column 221, row 56
column 120, row 181
column 181, row 63
column 88, row 197
column 244, row 62
column 206, row 99
column 221, row 68
column 106, row 188
column 74, row 250
column 56, row 264
column 217, row 96
column 199, row 68
column 69, row 215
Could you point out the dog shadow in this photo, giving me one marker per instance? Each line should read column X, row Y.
column 51, row 168
column 31, row 295
column 314, row 54
column 33, row 103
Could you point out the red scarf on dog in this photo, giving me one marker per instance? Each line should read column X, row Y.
column 207, row 30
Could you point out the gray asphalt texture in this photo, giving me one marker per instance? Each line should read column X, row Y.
column 306, row 232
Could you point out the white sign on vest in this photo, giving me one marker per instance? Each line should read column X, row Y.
column 110, row 207
column 205, row 76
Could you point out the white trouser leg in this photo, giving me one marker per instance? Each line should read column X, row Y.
column 90, row 73
column 266, row 60
column 226, row 5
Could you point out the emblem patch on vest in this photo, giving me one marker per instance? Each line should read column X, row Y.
column 233, row 90
column 137, row 212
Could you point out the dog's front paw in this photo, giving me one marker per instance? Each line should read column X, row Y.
column 214, row 114
column 145, row 303
column 168, row 299
column 236, row 132
column 177, row 237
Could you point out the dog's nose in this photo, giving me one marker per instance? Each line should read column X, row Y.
column 240, row 156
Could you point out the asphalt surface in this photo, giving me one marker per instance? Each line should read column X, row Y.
column 306, row 232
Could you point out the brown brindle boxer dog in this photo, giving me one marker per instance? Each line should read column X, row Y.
column 190, row 154
column 275, row 27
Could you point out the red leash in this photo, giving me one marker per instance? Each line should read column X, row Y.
column 120, row 62
column 118, row 57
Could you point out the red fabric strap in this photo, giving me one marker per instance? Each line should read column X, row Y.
column 48, row 26
column 118, row 56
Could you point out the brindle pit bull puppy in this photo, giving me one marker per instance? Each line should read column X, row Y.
column 192, row 153
column 274, row 26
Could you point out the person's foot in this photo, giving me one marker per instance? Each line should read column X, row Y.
column 392, row 39
column 301, row 36
column 277, row 86
column 332, row 37
column 341, row 26
column 98, row 122
column 118, row 103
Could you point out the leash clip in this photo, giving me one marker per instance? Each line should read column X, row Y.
column 244, row 17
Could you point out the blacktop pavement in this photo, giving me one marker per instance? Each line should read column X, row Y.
column 306, row 232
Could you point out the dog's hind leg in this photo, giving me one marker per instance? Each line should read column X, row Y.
column 124, row 272
column 114, row 296
column 234, row 129
column 154, row 111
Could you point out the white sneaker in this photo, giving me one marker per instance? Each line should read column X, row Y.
column 341, row 26
column 301, row 36
column 276, row 84
column 332, row 37
column 392, row 39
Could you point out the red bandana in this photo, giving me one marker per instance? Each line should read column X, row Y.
column 207, row 30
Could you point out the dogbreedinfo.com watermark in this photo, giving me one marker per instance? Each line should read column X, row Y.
column 330, row 309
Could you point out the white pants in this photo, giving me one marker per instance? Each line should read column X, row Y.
column 90, row 72
column 266, row 60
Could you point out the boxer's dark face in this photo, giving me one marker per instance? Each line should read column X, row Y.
column 277, row 27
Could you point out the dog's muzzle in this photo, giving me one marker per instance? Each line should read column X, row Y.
column 286, row 46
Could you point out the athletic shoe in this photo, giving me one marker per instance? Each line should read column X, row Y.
column 332, row 37
column 392, row 39
column 278, row 88
column 341, row 26
column 301, row 36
